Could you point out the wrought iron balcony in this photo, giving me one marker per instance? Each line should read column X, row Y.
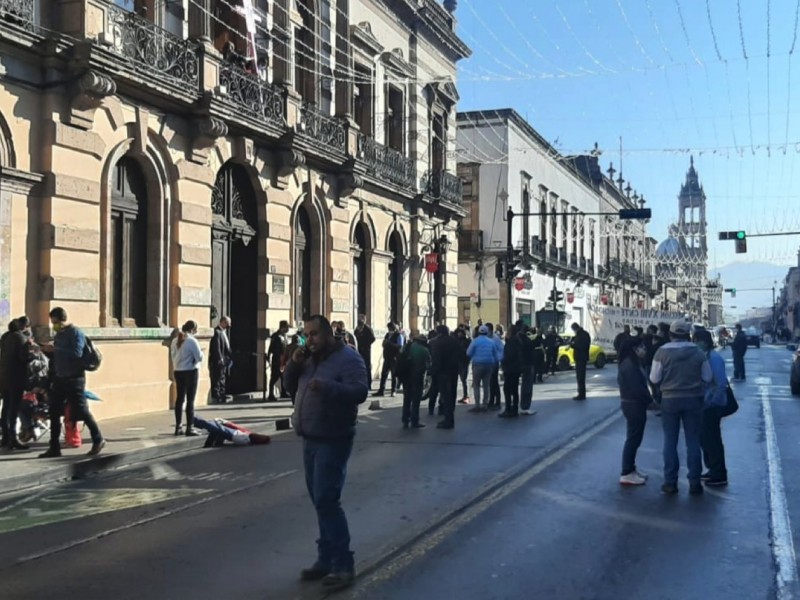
column 590, row 267
column 538, row 249
column 582, row 264
column 386, row 163
column 573, row 261
column 552, row 252
column 442, row 185
column 614, row 267
column 328, row 131
column 602, row 272
column 19, row 12
column 562, row 256
column 255, row 98
column 154, row 52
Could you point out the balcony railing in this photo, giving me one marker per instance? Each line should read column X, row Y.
column 602, row 272
column 154, row 52
column 538, row 249
column 573, row 261
column 562, row 256
column 444, row 186
column 19, row 12
column 590, row 266
column 386, row 163
column 255, row 98
column 327, row 130
column 552, row 253
column 582, row 264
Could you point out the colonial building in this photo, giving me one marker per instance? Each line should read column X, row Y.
column 682, row 259
column 567, row 244
column 188, row 159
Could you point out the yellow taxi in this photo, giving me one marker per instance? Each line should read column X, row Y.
column 597, row 356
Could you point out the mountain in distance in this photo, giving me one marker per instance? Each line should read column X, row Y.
column 748, row 276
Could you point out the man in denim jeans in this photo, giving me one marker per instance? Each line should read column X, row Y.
column 681, row 370
column 329, row 380
column 484, row 355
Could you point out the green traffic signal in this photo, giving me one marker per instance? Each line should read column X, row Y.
column 740, row 235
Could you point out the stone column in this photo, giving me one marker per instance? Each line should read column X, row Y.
column 341, row 264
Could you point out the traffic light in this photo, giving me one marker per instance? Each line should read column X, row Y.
column 559, row 296
column 627, row 214
column 556, row 296
column 498, row 270
column 741, row 242
column 731, row 291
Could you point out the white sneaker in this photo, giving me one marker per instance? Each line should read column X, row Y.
column 632, row 479
column 644, row 476
column 527, row 411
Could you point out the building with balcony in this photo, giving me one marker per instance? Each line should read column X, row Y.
column 568, row 243
column 504, row 163
column 189, row 159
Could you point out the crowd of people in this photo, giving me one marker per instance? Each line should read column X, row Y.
column 41, row 384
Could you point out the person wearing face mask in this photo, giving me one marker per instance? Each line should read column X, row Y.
column 714, row 403
column 635, row 397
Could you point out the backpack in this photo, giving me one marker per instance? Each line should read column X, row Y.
column 91, row 356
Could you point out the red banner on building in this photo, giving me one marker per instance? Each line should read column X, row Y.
column 432, row 262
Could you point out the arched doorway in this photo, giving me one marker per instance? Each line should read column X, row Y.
column 396, row 278
column 360, row 274
column 234, row 271
column 303, row 242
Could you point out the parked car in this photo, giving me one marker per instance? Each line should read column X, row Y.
column 597, row 356
column 753, row 337
column 794, row 378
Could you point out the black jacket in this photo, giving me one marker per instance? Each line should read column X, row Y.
column 552, row 342
column 445, row 355
column 13, row 359
column 580, row 345
column 512, row 356
column 739, row 345
column 632, row 381
column 365, row 337
column 277, row 346
column 528, row 358
column 219, row 350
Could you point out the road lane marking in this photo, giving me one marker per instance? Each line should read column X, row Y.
column 167, row 513
column 76, row 503
column 782, row 540
column 428, row 540
column 162, row 470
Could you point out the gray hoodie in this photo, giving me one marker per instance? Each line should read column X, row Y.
column 681, row 370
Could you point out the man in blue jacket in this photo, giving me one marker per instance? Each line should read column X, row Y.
column 69, row 383
column 329, row 380
column 484, row 355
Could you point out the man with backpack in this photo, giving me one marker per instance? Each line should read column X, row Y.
column 73, row 355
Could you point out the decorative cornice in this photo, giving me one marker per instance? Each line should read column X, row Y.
column 211, row 127
column 96, row 85
column 16, row 180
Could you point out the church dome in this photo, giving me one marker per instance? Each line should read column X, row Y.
column 669, row 248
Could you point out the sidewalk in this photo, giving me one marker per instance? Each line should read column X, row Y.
column 131, row 439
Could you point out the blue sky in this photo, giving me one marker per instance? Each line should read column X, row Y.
column 670, row 81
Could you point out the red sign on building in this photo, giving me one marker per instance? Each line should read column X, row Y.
column 570, row 297
column 604, row 299
column 519, row 284
column 432, row 262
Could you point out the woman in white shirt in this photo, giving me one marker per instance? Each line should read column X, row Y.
column 186, row 359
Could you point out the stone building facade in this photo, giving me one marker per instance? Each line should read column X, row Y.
column 572, row 240
column 165, row 161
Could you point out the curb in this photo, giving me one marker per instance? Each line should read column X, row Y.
column 82, row 468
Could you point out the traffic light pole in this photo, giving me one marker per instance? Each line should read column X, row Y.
column 623, row 214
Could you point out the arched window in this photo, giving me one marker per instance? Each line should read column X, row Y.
column 302, row 265
column 360, row 275
column 396, row 278
column 128, row 245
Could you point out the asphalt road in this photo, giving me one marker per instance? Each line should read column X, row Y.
column 528, row 508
